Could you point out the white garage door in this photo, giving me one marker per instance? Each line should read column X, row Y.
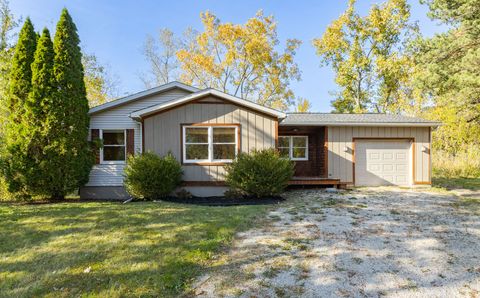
column 382, row 162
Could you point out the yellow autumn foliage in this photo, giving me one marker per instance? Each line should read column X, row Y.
column 242, row 59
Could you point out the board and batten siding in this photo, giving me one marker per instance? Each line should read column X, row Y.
column 163, row 132
column 118, row 118
column 340, row 161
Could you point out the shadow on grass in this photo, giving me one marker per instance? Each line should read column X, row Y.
column 457, row 183
column 142, row 249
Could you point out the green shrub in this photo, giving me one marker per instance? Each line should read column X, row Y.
column 5, row 195
column 149, row 176
column 260, row 173
column 464, row 163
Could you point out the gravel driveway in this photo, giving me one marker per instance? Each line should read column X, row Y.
column 361, row 243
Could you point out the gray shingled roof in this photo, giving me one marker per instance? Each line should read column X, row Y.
column 354, row 119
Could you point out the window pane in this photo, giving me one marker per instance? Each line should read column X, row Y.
column 196, row 151
column 283, row 142
column 299, row 153
column 284, row 152
column 196, row 134
column 113, row 138
column 224, row 151
column 116, row 153
column 299, row 142
column 224, row 135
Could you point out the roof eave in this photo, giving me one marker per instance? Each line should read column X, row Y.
column 141, row 114
column 390, row 124
column 124, row 100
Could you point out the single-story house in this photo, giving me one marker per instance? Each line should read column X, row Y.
column 206, row 128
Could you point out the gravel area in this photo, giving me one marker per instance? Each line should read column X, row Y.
column 370, row 242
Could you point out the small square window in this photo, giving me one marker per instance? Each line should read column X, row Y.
column 293, row 147
column 113, row 150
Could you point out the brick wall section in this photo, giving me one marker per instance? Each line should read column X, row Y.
column 130, row 141
column 315, row 166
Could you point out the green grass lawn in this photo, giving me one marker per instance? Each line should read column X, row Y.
column 111, row 249
column 470, row 204
column 452, row 183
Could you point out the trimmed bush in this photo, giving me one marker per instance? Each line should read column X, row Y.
column 149, row 176
column 261, row 173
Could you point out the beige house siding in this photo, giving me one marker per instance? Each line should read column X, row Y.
column 163, row 132
column 340, row 161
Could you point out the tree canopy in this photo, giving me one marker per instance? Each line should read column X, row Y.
column 161, row 55
column 368, row 56
column 242, row 60
column 8, row 24
column 100, row 84
column 450, row 77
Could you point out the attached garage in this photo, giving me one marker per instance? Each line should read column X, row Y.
column 371, row 149
column 383, row 162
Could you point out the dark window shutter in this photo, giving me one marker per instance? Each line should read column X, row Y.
column 95, row 135
column 130, row 141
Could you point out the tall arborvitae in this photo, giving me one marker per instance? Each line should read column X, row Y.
column 68, row 153
column 43, row 80
column 35, row 123
column 21, row 72
column 14, row 151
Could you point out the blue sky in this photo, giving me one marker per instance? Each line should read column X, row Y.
column 115, row 30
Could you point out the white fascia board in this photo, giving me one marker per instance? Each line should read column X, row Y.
column 141, row 94
column 389, row 124
column 242, row 102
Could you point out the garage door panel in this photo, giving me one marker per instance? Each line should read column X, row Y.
column 387, row 156
column 382, row 162
column 387, row 167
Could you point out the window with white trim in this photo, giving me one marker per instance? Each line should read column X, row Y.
column 114, row 146
column 209, row 143
column 293, row 147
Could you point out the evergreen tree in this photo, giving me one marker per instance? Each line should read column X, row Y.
column 450, row 76
column 21, row 72
column 14, row 152
column 68, row 153
column 36, row 123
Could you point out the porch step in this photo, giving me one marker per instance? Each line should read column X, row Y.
column 316, row 181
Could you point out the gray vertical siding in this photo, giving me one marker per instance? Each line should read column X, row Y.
column 340, row 163
column 162, row 132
